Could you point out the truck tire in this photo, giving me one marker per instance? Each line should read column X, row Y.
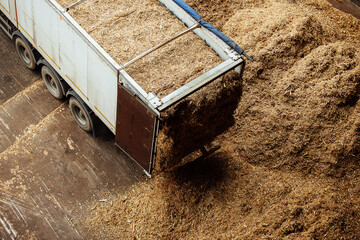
column 25, row 53
column 81, row 114
column 52, row 82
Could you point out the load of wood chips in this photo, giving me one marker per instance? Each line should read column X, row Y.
column 126, row 29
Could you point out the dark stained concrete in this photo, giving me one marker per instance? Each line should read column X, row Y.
column 12, row 81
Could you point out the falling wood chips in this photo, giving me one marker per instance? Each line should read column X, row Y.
column 126, row 29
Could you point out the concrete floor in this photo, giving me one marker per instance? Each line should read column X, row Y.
column 51, row 172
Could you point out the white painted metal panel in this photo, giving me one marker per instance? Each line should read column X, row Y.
column 8, row 8
column 25, row 14
column 102, row 89
column 4, row 6
column 12, row 11
column 46, row 34
column 73, row 58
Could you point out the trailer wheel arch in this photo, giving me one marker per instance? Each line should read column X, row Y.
column 16, row 34
column 83, row 115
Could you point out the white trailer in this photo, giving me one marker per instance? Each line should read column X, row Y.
column 75, row 66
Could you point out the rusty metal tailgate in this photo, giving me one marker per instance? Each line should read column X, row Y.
column 136, row 128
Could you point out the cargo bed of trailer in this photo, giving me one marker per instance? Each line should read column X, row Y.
column 101, row 84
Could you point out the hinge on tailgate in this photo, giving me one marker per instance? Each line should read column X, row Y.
column 232, row 54
column 154, row 100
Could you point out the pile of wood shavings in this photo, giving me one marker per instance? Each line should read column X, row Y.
column 289, row 167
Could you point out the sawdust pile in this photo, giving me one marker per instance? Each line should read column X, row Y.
column 289, row 167
column 311, row 72
column 220, row 198
column 126, row 29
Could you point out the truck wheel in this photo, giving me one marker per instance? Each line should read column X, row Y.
column 52, row 82
column 81, row 114
column 25, row 53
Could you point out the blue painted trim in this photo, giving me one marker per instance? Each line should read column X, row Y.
column 212, row 29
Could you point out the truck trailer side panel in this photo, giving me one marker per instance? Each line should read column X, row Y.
column 78, row 59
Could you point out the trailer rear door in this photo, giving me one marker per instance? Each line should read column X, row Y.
column 136, row 129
